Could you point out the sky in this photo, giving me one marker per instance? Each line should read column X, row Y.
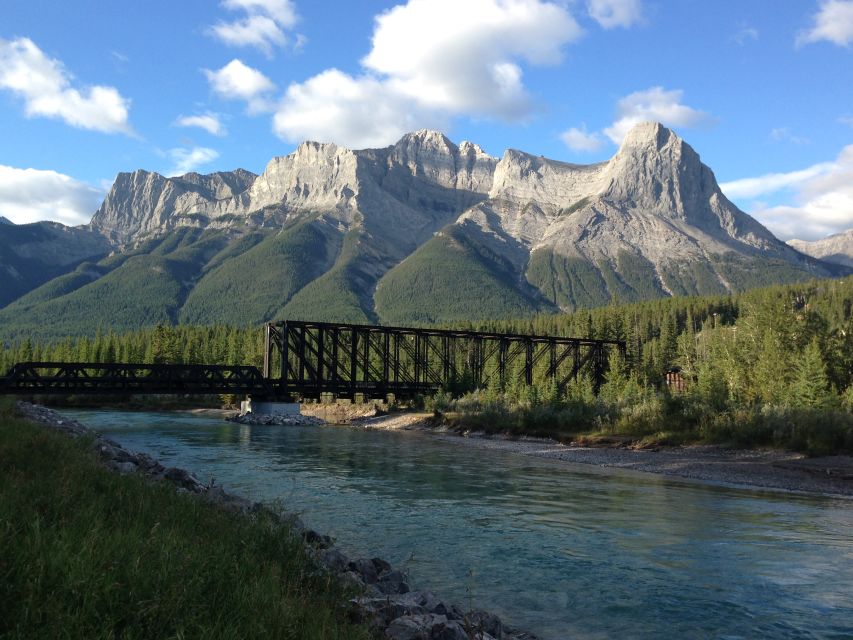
column 762, row 89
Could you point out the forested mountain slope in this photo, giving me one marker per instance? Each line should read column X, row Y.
column 423, row 231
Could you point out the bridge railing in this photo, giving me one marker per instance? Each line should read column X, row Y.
column 100, row 378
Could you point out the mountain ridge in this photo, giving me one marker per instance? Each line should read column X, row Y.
column 424, row 230
column 837, row 248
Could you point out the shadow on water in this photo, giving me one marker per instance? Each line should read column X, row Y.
column 565, row 550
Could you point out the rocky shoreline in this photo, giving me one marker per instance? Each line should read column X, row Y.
column 770, row 469
column 385, row 599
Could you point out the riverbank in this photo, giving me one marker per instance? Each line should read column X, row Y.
column 754, row 468
column 124, row 545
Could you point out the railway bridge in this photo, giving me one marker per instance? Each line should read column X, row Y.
column 308, row 359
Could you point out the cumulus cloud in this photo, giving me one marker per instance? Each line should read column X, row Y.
column 615, row 13
column 431, row 60
column 833, row 22
column 186, row 160
column 210, row 122
column 262, row 26
column 581, row 140
column 657, row 105
column 31, row 195
column 355, row 112
column 823, row 198
column 773, row 182
column 237, row 81
column 46, row 89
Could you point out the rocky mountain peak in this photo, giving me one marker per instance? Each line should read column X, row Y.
column 649, row 136
column 657, row 170
column 5, row 220
column 837, row 248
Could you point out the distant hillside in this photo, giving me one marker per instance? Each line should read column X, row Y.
column 423, row 231
column 837, row 248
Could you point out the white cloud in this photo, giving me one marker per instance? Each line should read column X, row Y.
column 354, row 112
column 833, row 22
column 784, row 134
column 237, row 81
column 187, row 160
column 823, row 200
column 263, row 25
column 210, row 122
column 581, row 140
column 745, row 34
column 773, row 182
column 45, row 86
column 615, row 13
column 463, row 56
column 657, row 105
column 431, row 60
column 31, row 195
column 848, row 120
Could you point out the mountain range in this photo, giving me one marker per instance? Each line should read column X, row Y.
column 422, row 231
column 837, row 248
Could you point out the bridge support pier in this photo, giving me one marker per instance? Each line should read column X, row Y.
column 266, row 408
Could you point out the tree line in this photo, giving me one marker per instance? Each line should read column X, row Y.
column 776, row 361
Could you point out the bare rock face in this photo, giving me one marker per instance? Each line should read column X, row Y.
column 654, row 204
column 145, row 204
column 837, row 248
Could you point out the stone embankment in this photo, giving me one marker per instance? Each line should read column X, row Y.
column 284, row 420
column 384, row 598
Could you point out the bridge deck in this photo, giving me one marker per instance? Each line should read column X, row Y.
column 305, row 359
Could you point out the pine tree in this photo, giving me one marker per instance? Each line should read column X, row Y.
column 810, row 386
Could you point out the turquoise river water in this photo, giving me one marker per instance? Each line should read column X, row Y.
column 563, row 550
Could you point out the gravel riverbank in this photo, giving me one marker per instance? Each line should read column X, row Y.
column 756, row 468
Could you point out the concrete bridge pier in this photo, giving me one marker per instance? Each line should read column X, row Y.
column 268, row 408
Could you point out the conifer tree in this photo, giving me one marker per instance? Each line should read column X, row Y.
column 810, row 386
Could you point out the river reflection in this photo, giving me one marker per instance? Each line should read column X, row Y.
column 566, row 551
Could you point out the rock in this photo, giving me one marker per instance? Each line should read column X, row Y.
column 366, row 569
column 352, row 580
column 450, row 630
column 837, row 248
column 334, row 559
column 124, row 467
column 380, row 565
column 316, row 539
column 393, row 581
column 478, row 620
column 415, row 627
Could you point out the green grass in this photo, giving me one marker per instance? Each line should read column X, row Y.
column 86, row 553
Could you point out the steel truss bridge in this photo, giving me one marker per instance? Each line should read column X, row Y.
column 309, row 359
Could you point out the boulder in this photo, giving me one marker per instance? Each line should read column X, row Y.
column 393, row 581
column 479, row 620
column 416, row 627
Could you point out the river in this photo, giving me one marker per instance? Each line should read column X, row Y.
column 563, row 550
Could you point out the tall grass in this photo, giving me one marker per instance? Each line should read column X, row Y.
column 651, row 417
column 86, row 553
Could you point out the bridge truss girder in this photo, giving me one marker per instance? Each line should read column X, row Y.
column 308, row 358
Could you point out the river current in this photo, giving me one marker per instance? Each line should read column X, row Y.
column 563, row 550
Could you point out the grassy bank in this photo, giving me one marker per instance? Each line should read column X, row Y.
column 86, row 553
column 650, row 417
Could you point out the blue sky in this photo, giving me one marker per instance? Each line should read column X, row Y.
column 762, row 89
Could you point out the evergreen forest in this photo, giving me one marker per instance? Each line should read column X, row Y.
column 770, row 366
